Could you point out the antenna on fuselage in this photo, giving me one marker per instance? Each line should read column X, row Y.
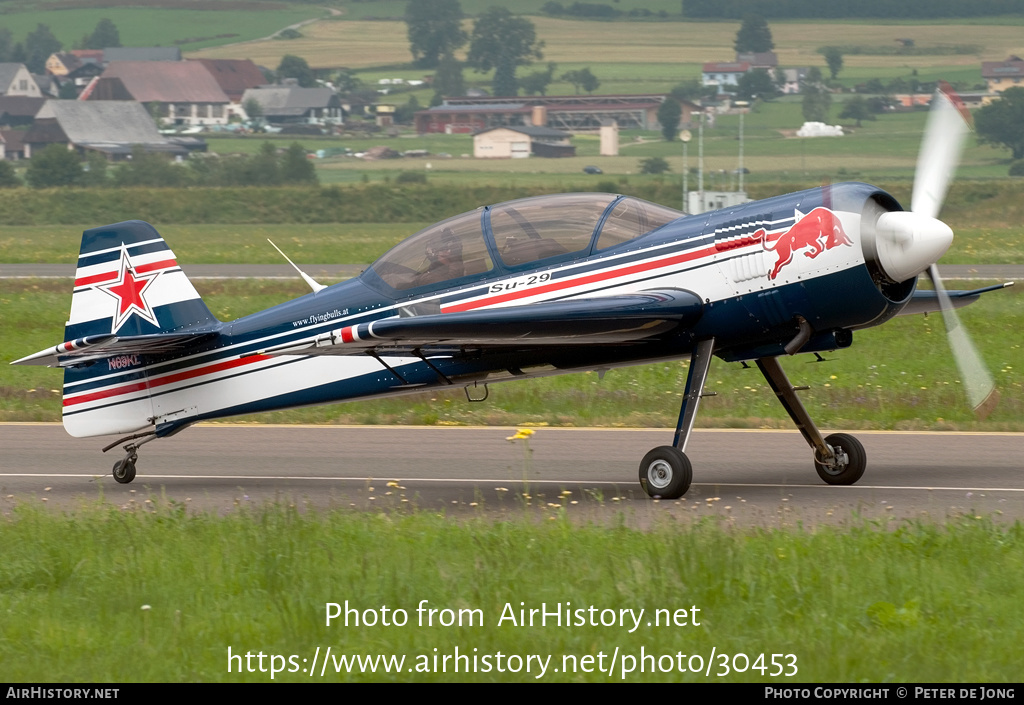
column 313, row 284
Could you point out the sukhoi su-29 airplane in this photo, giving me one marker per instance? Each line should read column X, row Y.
column 539, row 286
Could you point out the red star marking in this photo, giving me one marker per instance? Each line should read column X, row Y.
column 129, row 292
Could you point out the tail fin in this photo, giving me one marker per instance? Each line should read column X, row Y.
column 128, row 282
column 131, row 302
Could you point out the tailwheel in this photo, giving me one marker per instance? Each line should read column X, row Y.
column 665, row 473
column 848, row 463
column 124, row 470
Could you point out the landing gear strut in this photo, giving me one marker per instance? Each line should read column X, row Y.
column 840, row 458
column 665, row 472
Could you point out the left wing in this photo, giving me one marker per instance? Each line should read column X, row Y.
column 607, row 319
column 927, row 300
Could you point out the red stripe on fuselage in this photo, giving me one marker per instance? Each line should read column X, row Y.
column 581, row 281
column 161, row 381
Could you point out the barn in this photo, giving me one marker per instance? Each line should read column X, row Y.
column 519, row 141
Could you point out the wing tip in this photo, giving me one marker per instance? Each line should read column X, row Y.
column 958, row 104
column 987, row 405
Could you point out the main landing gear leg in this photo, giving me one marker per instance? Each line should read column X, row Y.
column 665, row 472
column 838, row 458
column 124, row 469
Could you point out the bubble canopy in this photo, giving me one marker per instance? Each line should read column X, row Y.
column 518, row 235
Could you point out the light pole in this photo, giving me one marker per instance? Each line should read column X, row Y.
column 700, row 161
column 741, row 152
column 685, row 137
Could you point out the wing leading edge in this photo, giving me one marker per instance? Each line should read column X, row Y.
column 927, row 300
column 608, row 319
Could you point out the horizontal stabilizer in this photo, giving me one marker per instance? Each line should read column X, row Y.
column 927, row 301
column 94, row 347
column 610, row 319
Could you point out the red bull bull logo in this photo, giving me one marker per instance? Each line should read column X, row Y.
column 816, row 232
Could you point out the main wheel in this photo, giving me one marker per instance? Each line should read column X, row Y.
column 665, row 472
column 848, row 471
column 124, row 471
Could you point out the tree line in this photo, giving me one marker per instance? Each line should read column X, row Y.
column 56, row 166
column 881, row 9
column 499, row 41
column 41, row 42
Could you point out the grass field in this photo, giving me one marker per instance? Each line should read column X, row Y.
column 189, row 27
column 152, row 593
column 362, row 243
column 332, row 243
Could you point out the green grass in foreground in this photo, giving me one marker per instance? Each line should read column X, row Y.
column 897, row 376
column 153, row 593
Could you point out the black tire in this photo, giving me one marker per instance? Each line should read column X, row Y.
column 665, row 473
column 849, row 472
column 124, row 471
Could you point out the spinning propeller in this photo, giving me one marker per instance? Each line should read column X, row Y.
column 908, row 243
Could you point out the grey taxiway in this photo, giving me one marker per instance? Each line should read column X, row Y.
column 745, row 476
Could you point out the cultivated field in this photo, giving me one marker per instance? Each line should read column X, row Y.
column 396, row 8
column 607, row 46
